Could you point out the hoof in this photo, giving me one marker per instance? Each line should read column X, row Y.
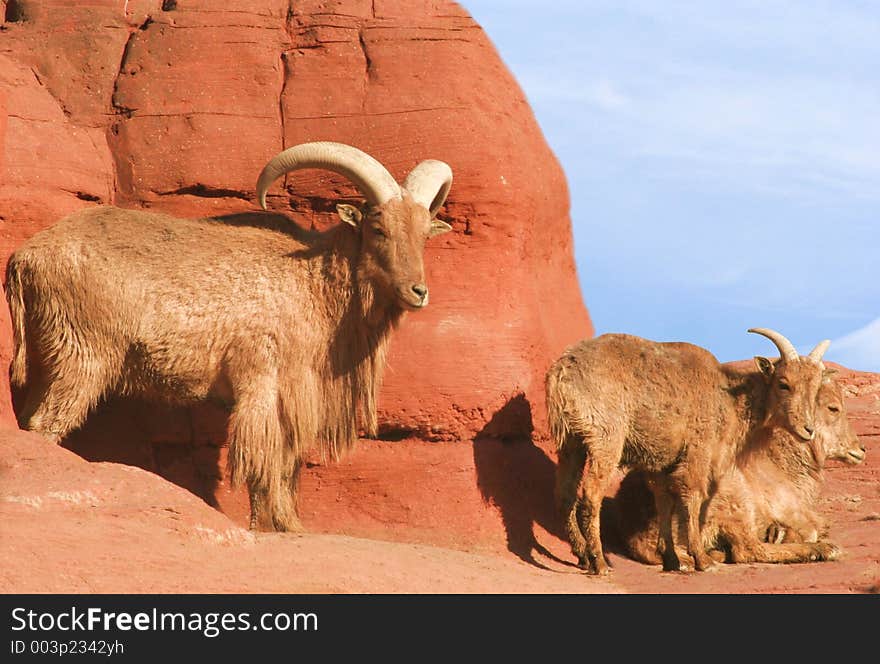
column 704, row 563
column 593, row 569
column 775, row 534
column 718, row 556
column 673, row 564
column 825, row 551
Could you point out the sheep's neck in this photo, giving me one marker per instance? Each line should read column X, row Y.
column 748, row 393
column 799, row 461
column 762, row 444
column 363, row 321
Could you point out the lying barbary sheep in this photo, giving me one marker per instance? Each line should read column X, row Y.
column 673, row 411
column 770, row 494
column 287, row 328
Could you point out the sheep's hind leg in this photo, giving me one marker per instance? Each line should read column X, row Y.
column 602, row 458
column 569, row 475
column 59, row 399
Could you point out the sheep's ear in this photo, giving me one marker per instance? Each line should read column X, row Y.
column 438, row 227
column 765, row 366
column 828, row 373
column 349, row 214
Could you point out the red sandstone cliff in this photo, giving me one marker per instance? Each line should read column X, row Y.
column 177, row 105
column 178, row 108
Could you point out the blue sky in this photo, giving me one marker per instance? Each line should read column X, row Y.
column 723, row 160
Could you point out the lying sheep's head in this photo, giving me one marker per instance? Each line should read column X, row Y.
column 835, row 432
column 394, row 223
column 794, row 383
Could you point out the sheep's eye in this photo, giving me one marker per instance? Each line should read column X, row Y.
column 378, row 230
column 784, row 386
column 834, row 409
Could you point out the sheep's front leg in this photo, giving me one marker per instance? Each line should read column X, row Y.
column 260, row 454
column 60, row 397
column 602, row 458
column 259, row 517
column 746, row 548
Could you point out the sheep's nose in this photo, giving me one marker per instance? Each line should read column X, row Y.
column 421, row 290
column 809, row 430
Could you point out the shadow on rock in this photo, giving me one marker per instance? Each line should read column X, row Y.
column 519, row 477
column 184, row 445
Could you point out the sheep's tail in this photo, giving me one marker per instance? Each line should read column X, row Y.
column 15, row 299
column 564, row 411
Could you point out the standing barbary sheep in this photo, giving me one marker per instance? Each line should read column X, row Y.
column 669, row 409
column 288, row 328
column 770, row 495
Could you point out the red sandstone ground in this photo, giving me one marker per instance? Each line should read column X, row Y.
column 69, row 525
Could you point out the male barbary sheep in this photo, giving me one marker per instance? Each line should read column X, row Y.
column 672, row 410
column 287, row 328
column 765, row 508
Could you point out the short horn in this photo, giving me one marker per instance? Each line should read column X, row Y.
column 428, row 184
column 370, row 177
column 817, row 353
column 786, row 349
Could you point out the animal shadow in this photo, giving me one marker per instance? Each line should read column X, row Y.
column 180, row 444
column 518, row 476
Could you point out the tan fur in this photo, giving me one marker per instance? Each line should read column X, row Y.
column 669, row 409
column 287, row 328
column 19, row 364
column 765, row 508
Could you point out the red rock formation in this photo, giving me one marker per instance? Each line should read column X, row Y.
column 177, row 105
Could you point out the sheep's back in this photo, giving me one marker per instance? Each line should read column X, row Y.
column 174, row 296
column 660, row 396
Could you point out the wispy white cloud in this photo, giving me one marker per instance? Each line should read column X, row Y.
column 859, row 349
column 723, row 160
column 778, row 95
column 607, row 96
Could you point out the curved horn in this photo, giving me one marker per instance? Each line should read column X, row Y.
column 817, row 353
column 428, row 183
column 370, row 177
column 786, row 348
